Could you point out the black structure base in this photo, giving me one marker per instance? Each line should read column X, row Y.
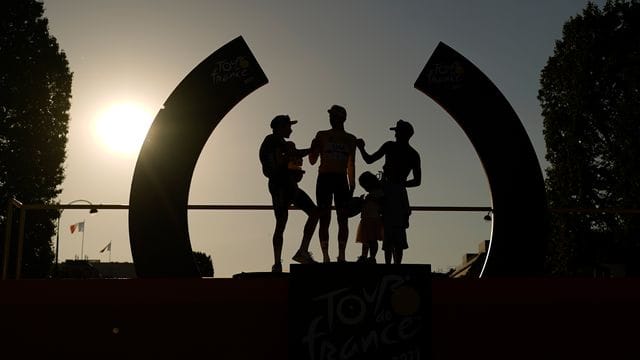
column 498, row 318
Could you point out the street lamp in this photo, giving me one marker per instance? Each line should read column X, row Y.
column 92, row 211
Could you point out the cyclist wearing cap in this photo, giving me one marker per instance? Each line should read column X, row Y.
column 282, row 164
column 400, row 160
column 336, row 149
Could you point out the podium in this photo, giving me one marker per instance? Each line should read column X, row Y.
column 360, row 311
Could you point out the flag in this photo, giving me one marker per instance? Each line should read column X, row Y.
column 106, row 248
column 78, row 226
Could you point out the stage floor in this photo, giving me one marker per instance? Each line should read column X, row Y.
column 246, row 318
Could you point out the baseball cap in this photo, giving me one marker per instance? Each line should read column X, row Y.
column 339, row 110
column 403, row 126
column 282, row 120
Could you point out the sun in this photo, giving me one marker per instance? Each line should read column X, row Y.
column 123, row 126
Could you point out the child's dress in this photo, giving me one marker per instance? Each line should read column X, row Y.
column 370, row 228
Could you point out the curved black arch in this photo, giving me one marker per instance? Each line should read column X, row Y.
column 158, row 227
column 519, row 233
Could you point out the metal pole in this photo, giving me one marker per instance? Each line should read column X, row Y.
column 82, row 246
column 7, row 240
column 55, row 274
column 23, row 214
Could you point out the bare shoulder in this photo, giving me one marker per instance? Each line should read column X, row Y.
column 415, row 155
column 389, row 145
column 322, row 134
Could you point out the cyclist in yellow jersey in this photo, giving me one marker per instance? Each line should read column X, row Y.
column 336, row 149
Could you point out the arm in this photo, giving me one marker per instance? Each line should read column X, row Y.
column 351, row 171
column 416, row 170
column 291, row 151
column 373, row 157
column 302, row 152
column 314, row 151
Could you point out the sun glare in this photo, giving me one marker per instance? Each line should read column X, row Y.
column 122, row 127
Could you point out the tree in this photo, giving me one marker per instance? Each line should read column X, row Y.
column 590, row 98
column 35, row 92
column 203, row 263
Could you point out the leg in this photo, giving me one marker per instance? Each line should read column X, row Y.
column 343, row 234
column 278, row 235
column 342, row 197
column 387, row 244
column 365, row 250
column 388, row 255
column 397, row 256
column 280, row 201
column 309, row 229
column 323, row 199
column 303, row 255
column 323, row 232
column 363, row 257
column 379, row 236
column 400, row 244
column 304, row 202
column 373, row 249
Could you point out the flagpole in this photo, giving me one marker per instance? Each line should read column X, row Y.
column 82, row 246
column 107, row 247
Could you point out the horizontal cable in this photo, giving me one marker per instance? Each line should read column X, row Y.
column 18, row 204
column 228, row 207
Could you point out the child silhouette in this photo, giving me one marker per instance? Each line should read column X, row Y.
column 370, row 229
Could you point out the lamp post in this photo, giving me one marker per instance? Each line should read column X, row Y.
column 92, row 211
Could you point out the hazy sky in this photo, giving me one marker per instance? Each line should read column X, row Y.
column 365, row 55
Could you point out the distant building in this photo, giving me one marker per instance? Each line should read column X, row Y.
column 94, row 269
column 116, row 270
column 472, row 263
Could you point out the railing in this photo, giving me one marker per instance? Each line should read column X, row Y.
column 23, row 208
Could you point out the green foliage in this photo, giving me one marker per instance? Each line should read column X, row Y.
column 590, row 98
column 35, row 92
column 203, row 263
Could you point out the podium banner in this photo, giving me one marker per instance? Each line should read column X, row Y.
column 360, row 311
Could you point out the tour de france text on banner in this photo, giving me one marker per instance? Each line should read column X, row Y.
column 361, row 312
